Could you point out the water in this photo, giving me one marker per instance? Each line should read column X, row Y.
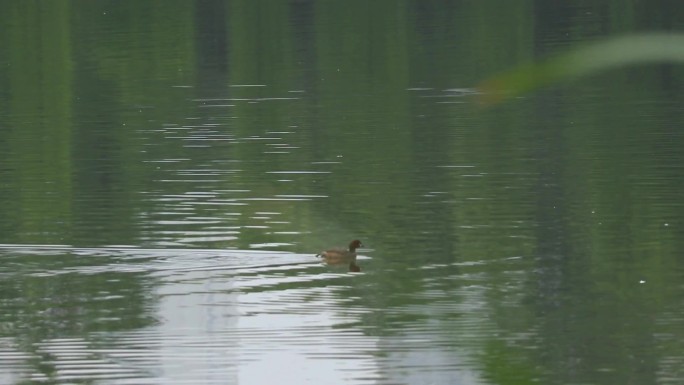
column 169, row 173
column 213, row 316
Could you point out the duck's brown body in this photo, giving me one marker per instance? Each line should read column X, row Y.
column 338, row 256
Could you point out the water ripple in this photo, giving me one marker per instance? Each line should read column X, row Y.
column 236, row 316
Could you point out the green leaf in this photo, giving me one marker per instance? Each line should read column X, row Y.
column 585, row 60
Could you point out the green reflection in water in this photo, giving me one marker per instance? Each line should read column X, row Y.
column 520, row 234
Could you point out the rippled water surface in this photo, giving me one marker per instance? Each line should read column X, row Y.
column 216, row 316
column 169, row 171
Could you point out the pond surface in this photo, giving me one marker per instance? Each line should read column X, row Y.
column 170, row 170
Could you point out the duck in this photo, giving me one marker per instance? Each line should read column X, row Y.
column 338, row 256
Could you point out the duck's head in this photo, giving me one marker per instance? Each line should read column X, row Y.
column 355, row 244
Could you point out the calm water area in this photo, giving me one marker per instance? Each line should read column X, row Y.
column 170, row 169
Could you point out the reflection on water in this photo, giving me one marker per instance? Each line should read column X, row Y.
column 165, row 316
column 170, row 171
column 228, row 317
